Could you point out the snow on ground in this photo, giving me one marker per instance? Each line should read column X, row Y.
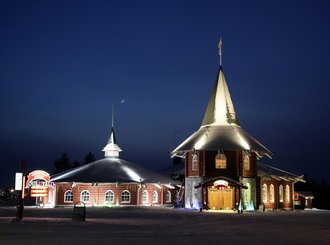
column 159, row 225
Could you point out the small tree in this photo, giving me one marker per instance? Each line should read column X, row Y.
column 89, row 158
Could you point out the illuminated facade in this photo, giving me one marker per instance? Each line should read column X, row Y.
column 112, row 182
column 221, row 170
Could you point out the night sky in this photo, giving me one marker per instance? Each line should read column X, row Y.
column 65, row 63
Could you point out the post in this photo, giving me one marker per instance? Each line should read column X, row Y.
column 21, row 196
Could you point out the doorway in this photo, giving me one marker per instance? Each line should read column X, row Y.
column 220, row 198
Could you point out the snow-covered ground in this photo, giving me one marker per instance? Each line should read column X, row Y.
column 156, row 225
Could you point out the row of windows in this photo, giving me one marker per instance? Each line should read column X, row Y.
column 221, row 161
column 272, row 193
column 110, row 197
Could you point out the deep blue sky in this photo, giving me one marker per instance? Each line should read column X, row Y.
column 64, row 63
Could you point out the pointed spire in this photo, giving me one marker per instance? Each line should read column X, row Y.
column 112, row 149
column 220, row 109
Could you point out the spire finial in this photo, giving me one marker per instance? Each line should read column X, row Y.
column 113, row 114
column 220, row 51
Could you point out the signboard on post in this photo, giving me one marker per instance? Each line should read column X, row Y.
column 18, row 181
column 39, row 182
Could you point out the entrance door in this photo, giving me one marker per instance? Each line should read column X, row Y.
column 220, row 199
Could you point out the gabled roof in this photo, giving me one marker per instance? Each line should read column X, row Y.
column 220, row 129
column 111, row 170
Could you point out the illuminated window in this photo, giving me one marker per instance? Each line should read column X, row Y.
column 84, row 196
column 247, row 194
column 145, row 197
column 220, row 161
column 68, row 196
column 280, row 193
column 271, row 193
column 287, row 193
column 155, row 197
column 168, row 196
column 246, row 161
column 125, row 197
column 109, row 196
column 194, row 163
column 264, row 193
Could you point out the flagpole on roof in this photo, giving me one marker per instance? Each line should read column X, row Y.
column 220, row 51
column 113, row 112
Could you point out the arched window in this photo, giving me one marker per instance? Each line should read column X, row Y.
column 264, row 193
column 125, row 197
column 194, row 162
column 109, row 196
column 247, row 194
column 287, row 193
column 155, row 197
column 168, row 196
column 68, row 196
column 280, row 193
column 145, row 197
column 246, row 161
column 220, row 161
column 271, row 193
column 84, row 196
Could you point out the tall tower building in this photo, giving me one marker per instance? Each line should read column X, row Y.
column 220, row 157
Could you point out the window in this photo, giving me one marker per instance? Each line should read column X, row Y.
column 246, row 161
column 168, row 196
column 84, row 197
column 125, row 197
column 155, row 197
column 68, row 196
column 271, row 193
column 194, row 162
column 220, row 161
column 145, row 197
column 264, row 193
column 287, row 193
column 247, row 194
column 109, row 197
column 280, row 193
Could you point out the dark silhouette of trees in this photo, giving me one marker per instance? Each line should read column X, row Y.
column 89, row 158
column 76, row 164
column 62, row 163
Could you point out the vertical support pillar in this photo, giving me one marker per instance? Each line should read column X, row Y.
column 20, row 201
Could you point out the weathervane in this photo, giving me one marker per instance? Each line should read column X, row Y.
column 113, row 112
column 220, row 51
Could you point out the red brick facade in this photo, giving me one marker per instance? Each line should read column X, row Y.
column 93, row 194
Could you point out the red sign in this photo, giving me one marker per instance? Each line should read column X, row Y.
column 39, row 182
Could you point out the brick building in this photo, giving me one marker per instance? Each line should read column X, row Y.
column 221, row 170
column 112, row 181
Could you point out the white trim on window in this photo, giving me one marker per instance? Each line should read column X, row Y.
column 168, row 196
column 109, row 196
column 155, row 197
column 85, row 196
column 271, row 193
column 125, row 196
column 264, row 193
column 68, row 196
column 280, row 193
column 145, row 196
